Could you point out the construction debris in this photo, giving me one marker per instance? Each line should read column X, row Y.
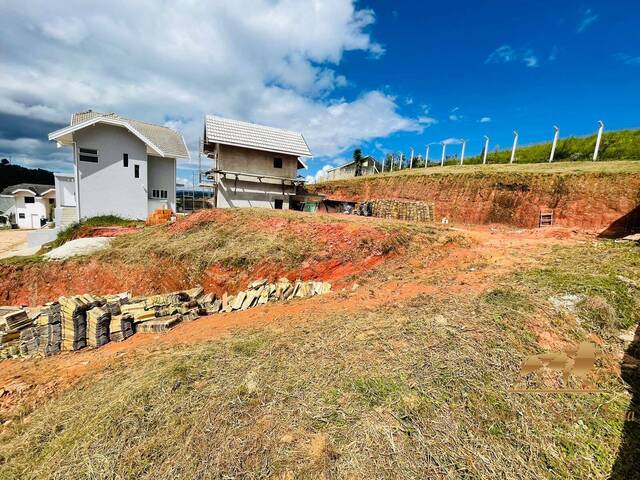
column 80, row 321
column 398, row 209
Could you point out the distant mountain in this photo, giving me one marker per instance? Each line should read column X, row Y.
column 14, row 174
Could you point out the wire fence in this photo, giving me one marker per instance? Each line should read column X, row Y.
column 618, row 145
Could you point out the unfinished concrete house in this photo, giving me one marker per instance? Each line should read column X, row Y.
column 253, row 165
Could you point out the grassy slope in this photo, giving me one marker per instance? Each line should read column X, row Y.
column 619, row 145
column 408, row 391
column 528, row 170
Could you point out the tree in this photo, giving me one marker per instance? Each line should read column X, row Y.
column 359, row 160
column 5, row 161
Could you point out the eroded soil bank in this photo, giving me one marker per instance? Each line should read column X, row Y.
column 593, row 201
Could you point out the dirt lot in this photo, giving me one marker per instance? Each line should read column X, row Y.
column 450, row 270
column 403, row 371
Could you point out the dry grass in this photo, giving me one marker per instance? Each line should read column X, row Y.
column 413, row 390
column 247, row 237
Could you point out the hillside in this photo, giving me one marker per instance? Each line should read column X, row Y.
column 409, row 375
column 220, row 249
column 618, row 145
column 14, row 174
column 596, row 196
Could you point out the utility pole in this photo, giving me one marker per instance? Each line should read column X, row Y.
column 426, row 157
column 515, row 144
column 464, row 144
column 384, row 159
column 400, row 156
column 411, row 161
column 600, row 129
column 486, row 150
column 555, row 142
column 444, row 148
column 392, row 160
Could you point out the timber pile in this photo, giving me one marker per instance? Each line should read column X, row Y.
column 75, row 322
column 400, row 210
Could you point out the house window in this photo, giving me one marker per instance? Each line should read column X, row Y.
column 89, row 155
column 29, row 200
column 277, row 163
column 277, row 204
column 21, row 215
column 125, row 159
column 158, row 194
column 136, row 171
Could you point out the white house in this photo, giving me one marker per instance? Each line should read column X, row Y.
column 348, row 170
column 33, row 204
column 121, row 166
column 253, row 165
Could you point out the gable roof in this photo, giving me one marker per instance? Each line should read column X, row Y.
column 258, row 137
column 160, row 141
column 366, row 157
column 35, row 188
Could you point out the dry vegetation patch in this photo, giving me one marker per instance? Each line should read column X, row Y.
column 418, row 389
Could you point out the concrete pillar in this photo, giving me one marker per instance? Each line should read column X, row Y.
column 600, row 129
column 444, row 148
column 426, row 157
column 411, row 161
column 486, row 150
column 515, row 144
column 464, row 144
column 555, row 142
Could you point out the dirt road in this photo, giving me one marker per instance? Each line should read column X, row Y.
column 12, row 241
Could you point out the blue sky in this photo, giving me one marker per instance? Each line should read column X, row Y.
column 383, row 76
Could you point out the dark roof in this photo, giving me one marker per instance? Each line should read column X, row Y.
column 34, row 187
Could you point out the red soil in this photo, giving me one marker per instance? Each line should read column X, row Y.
column 587, row 202
column 40, row 283
column 447, row 271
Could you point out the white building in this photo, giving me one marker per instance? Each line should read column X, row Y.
column 121, row 166
column 348, row 170
column 33, row 204
column 253, row 165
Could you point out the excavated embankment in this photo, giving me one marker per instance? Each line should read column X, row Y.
column 606, row 203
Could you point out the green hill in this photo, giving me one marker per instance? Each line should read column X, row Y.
column 14, row 174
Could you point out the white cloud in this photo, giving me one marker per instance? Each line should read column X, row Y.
column 485, row 120
column 587, row 18
column 508, row 54
column 455, row 118
column 70, row 31
column 451, row 141
column 627, row 59
column 553, row 54
column 271, row 62
column 426, row 120
column 320, row 174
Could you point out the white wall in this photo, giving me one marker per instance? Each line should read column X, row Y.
column 107, row 187
column 65, row 190
column 161, row 172
column 251, row 192
column 31, row 212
